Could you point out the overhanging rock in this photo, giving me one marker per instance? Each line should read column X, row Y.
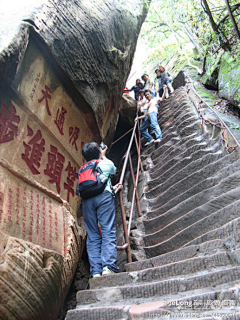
column 62, row 73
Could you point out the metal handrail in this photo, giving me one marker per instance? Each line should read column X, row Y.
column 127, row 156
column 220, row 120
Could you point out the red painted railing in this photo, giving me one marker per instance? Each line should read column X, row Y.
column 135, row 198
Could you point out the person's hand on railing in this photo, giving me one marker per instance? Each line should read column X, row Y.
column 117, row 187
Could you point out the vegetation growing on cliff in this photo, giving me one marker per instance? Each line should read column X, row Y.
column 211, row 27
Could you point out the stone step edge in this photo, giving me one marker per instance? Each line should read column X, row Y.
column 210, row 202
column 195, row 192
column 210, row 221
column 165, row 235
column 119, row 294
column 187, row 252
column 209, row 300
column 172, row 163
column 184, row 268
column 132, row 312
column 194, row 170
column 181, row 151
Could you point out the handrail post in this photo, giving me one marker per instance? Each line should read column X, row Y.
column 126, row 158
column 135, row 187
column 138, row 152
column 125, row 228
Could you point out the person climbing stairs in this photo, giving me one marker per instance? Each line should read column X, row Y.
column 189, row 230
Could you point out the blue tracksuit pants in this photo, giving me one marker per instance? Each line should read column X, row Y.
column 102, row 251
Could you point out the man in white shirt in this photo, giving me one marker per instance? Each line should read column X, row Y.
column 150, row 117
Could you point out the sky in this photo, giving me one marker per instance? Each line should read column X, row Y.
column 12, row 12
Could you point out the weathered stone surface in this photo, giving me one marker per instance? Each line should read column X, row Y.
column 162, row 272
column 131, row 294
column 39, row 161
column 93, row 42
column 194, row 265
column 34, row 280
column 224, row 77
column 210, row 79
column 63, row 67
column 127, row 112
column 179, row 80
column 228, row 79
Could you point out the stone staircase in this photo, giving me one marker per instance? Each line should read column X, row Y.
column 189, row 231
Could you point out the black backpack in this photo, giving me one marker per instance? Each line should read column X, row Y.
column 91, row 180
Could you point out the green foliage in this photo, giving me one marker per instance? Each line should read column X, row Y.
column 171, row 24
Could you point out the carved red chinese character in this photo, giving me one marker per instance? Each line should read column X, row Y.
column 7, row 127
column 72, row 176
column 46, row 96
column 73, row 133
column 60, row 118
column 54, row 167
column 33, row 151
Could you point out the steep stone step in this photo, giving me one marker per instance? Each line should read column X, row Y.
column 207, row 161
column 186, row 131
column 100, row 313
column 147, row 150
column 185, row 163
column 173, row 112
column 177, row 116
column 140, row 293
column 184, row 120
column 229, row 232
column 165, row 219
column 163, row 152
column 189, row 220
column 211, row 222
column 209, row 305
column 186, row 156
column 190, row 178
column 179, row 268
column 175, row 148
column 190, row 189
column 188, row 252
column 203, row 192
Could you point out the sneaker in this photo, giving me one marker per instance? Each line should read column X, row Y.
column 96, row 275
column 147, row 143
column 107, row 271
column 157, row 140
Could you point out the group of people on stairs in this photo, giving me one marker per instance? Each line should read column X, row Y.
column 149, row 101
column 100, row 208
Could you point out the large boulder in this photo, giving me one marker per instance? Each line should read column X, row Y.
column 92, row 42
column 63, row 67
column 224, row 76
column 229, row 79
column 210, row 78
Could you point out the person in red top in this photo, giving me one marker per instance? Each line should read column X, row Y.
column 126, row 90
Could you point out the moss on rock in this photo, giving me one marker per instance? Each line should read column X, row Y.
column 229, row 79
column 210, row 78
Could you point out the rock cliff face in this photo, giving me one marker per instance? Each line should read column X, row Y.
column 62, row 73
column 224, row 77
column 92, row 42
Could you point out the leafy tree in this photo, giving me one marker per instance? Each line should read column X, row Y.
column 207, row 24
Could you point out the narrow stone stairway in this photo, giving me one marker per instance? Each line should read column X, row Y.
column 189, row 231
